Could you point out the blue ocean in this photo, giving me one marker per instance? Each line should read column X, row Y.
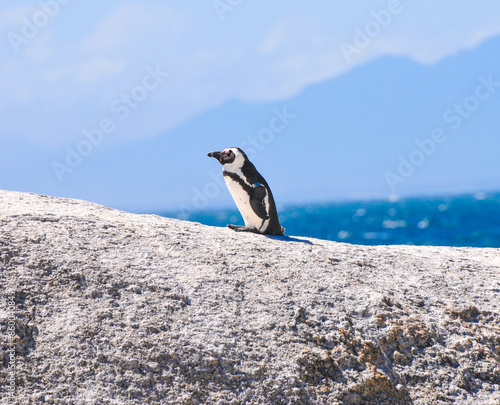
column 465, row 220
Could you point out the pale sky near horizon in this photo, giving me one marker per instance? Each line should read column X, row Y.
column 65, row 65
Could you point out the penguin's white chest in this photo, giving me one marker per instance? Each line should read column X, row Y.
column 242, row 201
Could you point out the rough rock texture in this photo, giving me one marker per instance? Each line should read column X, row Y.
column 117, row 308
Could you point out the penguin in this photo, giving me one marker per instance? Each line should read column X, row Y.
column 250, row 192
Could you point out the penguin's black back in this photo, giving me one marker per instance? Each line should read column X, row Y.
column 253, row 176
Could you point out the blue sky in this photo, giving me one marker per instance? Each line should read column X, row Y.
column 65, row 65
column 89, row 53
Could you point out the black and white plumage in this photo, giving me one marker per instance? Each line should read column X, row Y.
column 250, row 192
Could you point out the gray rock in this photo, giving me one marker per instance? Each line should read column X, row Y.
column 117, row 308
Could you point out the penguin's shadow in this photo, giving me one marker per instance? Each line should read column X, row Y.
column 285, row 238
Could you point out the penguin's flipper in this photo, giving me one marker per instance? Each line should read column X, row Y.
column 257, row 201
column 240, row 228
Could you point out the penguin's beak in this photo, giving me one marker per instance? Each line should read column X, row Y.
column 215, row 155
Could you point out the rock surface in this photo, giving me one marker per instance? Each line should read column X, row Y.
column 117, row 308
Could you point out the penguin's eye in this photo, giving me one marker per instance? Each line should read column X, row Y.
column 227, row 156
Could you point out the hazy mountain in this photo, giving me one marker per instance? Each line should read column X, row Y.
column 337, row 139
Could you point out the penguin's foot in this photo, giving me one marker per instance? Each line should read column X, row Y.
column 239, row 228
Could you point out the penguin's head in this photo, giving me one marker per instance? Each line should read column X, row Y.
column 230, row 156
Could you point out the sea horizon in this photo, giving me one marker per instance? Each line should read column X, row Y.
column 460, row 220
